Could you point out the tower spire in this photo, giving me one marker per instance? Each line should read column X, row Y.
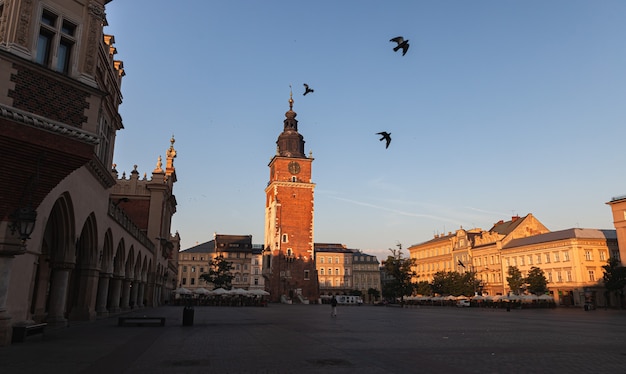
column 290, row 142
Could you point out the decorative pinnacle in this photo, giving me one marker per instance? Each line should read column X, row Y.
column 290, row 98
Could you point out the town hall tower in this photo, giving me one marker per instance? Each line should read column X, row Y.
column 288, row 262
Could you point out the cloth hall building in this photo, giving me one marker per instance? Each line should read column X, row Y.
column 77, row 239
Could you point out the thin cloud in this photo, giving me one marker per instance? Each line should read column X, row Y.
column 396, row 211
column 499, row 214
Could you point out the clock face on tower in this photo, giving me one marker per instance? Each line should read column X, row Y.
column 294, row 167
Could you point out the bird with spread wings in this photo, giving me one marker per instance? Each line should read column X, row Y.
column 402, row 44
column 307, row 89
column 385, row 136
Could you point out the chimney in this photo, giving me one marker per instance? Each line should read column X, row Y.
column 514, row 218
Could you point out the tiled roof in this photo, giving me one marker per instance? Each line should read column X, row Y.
column 328, row 245
column 507, row 227
column 562, row 235
column 437, row 239
column 618, row 198
column 334, row 250
column 207, row 247
column 357, row 254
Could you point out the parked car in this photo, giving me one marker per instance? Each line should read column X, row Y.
column 463, row 303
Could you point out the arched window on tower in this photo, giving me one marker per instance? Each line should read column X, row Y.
column 289, row 252
column 285, row 237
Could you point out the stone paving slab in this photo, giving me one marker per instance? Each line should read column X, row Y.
column 306, row 339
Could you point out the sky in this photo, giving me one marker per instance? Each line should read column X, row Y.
column 499, row 108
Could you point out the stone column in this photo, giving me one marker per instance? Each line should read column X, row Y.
column 9, row 248
column 115, row 284
column 103, row 292
column 140, row 291
column 134, row 288
column 83, row 308
column 157, row 295
column 43, row 269
column 125, row 294
column 58, row 294
column 150, row 292
column 163, row 297
column 166, row 293
column 5, row 318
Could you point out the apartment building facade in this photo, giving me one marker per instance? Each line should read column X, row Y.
column 334, row 268
column 571, row 259
column 342, row 271
column 245, row 258
column 366, row 275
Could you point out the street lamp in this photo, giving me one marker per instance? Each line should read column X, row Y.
column 23, row 222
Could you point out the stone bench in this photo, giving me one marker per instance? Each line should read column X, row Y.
column 20, row 332
column 141, row 321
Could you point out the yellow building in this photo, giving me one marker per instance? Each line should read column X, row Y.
column 472, row 250
column 432, row 256
column 342, row 270
column 571, row 260
column 487, row 246
column 192, row 262
column 334, row 268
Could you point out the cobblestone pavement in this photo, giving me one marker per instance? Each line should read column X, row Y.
column 305, row 339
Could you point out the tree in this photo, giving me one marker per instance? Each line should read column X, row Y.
column 536, row 281
column 471, row 284
column 455, row 283
column 219, row 273
column 446, row 282
column 400, row 272
column 515, row 279
column 373, row 293
column 423, row 288
column 614, row 278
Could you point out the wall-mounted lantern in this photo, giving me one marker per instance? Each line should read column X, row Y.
column 23, row 222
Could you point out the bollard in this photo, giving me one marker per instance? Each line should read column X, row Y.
column 188, row 316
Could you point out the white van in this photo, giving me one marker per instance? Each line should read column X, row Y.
column 349, row 300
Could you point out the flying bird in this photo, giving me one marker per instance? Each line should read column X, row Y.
column 385, row 136
column 307, row 89
column 402, row 44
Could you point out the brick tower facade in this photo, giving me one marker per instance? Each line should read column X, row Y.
column 289, row 263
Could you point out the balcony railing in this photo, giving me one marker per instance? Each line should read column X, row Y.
column 124, row 221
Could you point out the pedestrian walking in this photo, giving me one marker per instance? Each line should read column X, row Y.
column 333, row 305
